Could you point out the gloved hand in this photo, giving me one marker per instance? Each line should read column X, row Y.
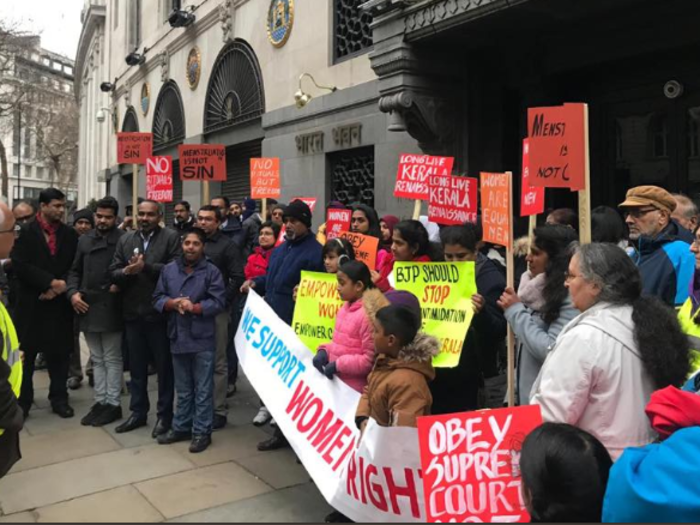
column 320, row 360
column 330, row 370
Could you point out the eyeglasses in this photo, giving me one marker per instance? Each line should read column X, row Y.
column 637, row 213
column 15, row 229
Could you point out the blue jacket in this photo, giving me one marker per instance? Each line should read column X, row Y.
column 666, row 264
column 204, row 286
column 284, row 273
column 656, row 483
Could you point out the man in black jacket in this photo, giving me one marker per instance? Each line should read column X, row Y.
column 184, row 221
column 138, row 260
column 41, row 258
column 228, row 258
column 97, row 303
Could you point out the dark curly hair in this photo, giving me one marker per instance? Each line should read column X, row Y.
column 565, row 473
column 554, row 240
column 663, row 346
column 415, row 234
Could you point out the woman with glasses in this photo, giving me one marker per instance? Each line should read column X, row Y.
column 542, row 306
column 606, row 363
column 689, row 314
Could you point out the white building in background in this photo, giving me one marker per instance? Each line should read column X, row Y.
column 47, row 80
column 230, row 78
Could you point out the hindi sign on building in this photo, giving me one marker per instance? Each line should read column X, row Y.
column 316, row 308
column 531, row 198
column 495, row 208
column 365, row 247
column 202, row 162
column 265, row 178
column 159, row 179
column 452, row 199
column 471, row 464
column 413, row 176
column 134, row 148
column 337, row 221
column 445, row 293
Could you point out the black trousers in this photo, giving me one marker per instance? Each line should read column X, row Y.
column 57, row 364
column 148, row 342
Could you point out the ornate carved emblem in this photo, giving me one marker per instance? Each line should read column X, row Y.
column 194, row 67
column 280, row 19
column 145, row 98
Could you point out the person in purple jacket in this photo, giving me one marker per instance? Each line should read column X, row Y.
column 191, row 292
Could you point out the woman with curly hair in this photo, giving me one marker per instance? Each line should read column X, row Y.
column 607, row 362
column 542, row 306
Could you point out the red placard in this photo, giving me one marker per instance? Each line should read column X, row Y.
column 412, row 178
column 471, row 464
column 202, row 162
column 557, row 146
column 265, row 178
column 495, row 208
column 452, row 199
column 310, row 202
column 531, row 198
column 282, row 237
column 134, row 148
column 337, row 221
column 159, row 179
column 365, row 247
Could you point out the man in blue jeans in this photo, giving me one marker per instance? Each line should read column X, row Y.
column 191, row 293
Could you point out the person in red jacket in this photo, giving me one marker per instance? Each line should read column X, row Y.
column 257, row 262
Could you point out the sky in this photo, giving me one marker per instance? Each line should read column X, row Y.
column 57, row 21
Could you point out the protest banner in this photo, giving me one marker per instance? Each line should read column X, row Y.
column 337, row 221
column 414, row 172
column 159, row 179
column 202, row 162
column 445, row 293
column 379, row 480
column 471, row 464
column 452, row 199
column 134, row 148
column 365, row 247
column 316, row 308
column 265, row 180
column 531, row 198
column 309, row 201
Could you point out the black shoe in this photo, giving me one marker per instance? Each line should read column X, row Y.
column 95, row 411
column 63, row 409
column 172, row 436
column 337, row 517
column 200, row 443
column 74, row 383
column 109, row 414
column 231, row 390
column 219, row 422
column 273, row 443
column 135, row 421
column 91, row 380
column 161, row 428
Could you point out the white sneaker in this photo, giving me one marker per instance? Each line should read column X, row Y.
column 262, row 417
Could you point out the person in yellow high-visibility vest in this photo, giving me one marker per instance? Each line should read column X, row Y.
column 689, row 314
column 11, row 418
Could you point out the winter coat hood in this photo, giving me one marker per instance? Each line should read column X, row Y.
column 417, row 356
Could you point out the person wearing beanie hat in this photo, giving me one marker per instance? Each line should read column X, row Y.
column 658, row 482
column 300, row 252
column 661, row 246
column 83, row 221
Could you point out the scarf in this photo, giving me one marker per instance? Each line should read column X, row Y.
column 50, row 231
column 530, row 291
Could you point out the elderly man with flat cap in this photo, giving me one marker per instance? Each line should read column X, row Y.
column 662, row 247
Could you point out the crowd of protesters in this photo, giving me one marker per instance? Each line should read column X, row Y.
column 607, row 334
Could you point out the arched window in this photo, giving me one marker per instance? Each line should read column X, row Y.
column 131, row 120
column 168, row 118
column 235, row 92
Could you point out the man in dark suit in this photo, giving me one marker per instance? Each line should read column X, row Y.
column 41, row 258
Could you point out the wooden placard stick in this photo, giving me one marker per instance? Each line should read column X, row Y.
column 584, row 196
column 510, row 282
column 416, row 210
column 205, row 193
column 135, row 195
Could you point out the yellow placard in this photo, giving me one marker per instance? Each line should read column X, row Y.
column 316, row 308
column 445, row 293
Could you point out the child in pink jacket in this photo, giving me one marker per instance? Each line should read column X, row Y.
column 350, row 355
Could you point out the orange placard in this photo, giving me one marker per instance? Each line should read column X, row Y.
column 202, row 162
column 134, row 148
column 495, row 208
column 365, row 247
column 265, row 178
column 557, row 139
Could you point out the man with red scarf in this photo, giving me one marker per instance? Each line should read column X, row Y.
column 41, row 258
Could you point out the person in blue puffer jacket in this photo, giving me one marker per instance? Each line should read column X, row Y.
column 658, row 482
column 660, row 246
column 191, row 292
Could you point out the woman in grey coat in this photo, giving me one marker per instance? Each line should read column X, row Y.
column 542, row 306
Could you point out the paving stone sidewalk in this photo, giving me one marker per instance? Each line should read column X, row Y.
column 71, row 473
